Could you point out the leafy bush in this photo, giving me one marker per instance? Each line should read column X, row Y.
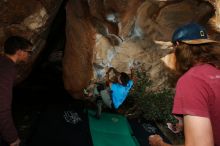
column 156, row 106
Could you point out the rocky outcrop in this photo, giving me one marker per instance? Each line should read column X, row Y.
column 124, row 34
column 80, row 34
column 30, row 19
column 107, row 33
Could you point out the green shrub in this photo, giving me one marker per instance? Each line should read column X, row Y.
column 156, row 106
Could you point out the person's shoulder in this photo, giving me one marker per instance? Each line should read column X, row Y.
column 7, row 66
column 6, row 60
column 202, row 71
column 186, row 77
column 198, row 72
column 115, row 85
column 201, row 68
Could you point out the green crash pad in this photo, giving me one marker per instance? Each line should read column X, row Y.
column 111, row 130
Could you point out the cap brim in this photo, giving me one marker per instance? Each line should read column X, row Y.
column 199, row 41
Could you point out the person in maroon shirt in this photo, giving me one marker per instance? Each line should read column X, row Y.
column 16, row 50
column 197, row 98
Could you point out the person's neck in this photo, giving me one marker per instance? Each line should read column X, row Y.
column 12, row 57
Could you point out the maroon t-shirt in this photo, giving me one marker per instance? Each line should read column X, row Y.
column 7, row 76
column 198, row 94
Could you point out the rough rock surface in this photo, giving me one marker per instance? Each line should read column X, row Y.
column 107, row 33
column 124, row 34
column 77, row 62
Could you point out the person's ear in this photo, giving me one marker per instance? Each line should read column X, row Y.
column 170, row 61
column 19, row 52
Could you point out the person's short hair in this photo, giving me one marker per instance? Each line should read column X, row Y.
column 124, row 78
column 15, row 43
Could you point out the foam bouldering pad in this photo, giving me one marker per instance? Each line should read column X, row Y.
column 69, row 125
column 142, row 129
column 111, row 130
column 61, row 125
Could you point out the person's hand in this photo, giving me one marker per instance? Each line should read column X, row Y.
column 111, row 68
column 157, row 140
column 154, row 140
column 178, row 127
column 16, row 143
column 175, row 128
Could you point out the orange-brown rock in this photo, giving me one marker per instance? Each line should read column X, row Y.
column 80, row 34
column 124, row 34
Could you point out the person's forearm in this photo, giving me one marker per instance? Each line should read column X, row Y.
column 114, row 70
column 16, row 142
column 157, row 140
column 162, row 143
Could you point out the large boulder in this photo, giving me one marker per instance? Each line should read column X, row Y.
column 77, row 61
column 124, row 34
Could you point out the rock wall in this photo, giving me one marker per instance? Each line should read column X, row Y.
column 124, row 34
column 107, row 33
column 77, row 61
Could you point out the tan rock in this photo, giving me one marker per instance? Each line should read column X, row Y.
column 140, row 36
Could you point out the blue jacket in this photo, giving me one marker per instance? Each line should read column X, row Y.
column 120, row 92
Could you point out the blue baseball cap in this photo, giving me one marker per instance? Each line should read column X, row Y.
column 191, row 33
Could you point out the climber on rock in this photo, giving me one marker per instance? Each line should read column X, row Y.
column 112, row 93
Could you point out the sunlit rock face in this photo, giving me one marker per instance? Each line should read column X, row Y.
column 77, row 62
column 30, row 19
column 124, row 34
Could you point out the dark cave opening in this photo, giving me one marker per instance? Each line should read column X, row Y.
column 44, row 85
